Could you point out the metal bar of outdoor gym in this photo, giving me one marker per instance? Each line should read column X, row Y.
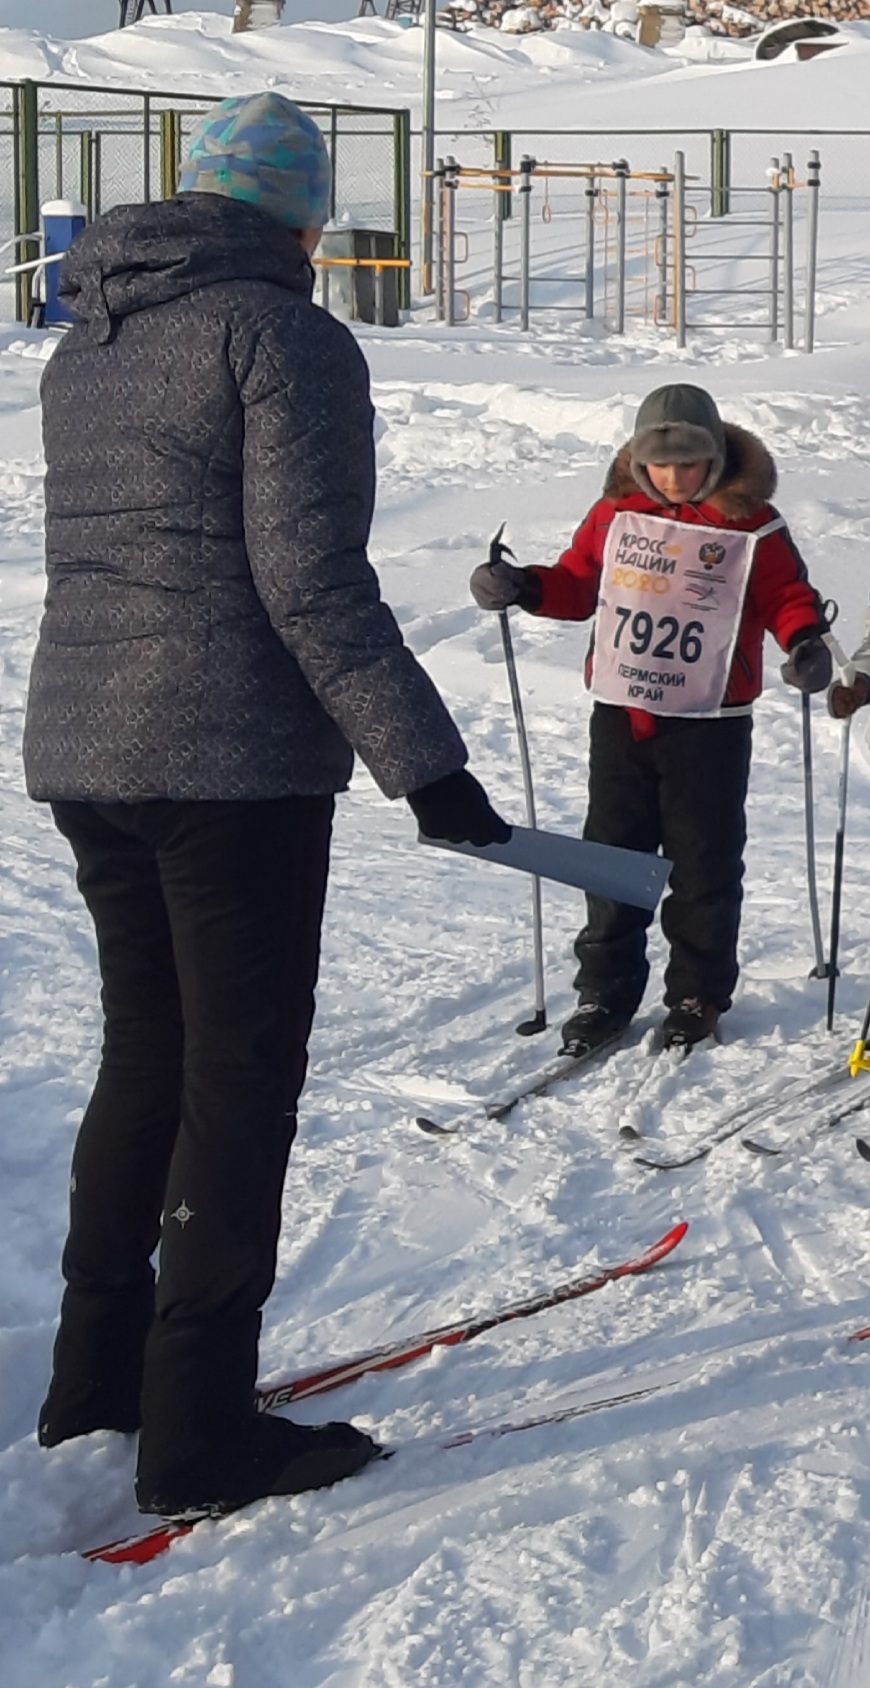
column 773, row 180
column 679, row 245
column 527, row 165
column 813, row 182
column 787, row 187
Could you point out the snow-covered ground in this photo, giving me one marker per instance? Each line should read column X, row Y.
column 715, row 1534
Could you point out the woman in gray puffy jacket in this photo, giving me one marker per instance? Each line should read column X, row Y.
column 213, row 651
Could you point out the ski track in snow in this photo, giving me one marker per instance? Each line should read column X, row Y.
column 715, row 1534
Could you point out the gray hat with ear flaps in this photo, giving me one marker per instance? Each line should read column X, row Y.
column 678, row 424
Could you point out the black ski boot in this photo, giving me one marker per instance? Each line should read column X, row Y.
column 265, row 1456
column 688, row 1023
column 591, row 1027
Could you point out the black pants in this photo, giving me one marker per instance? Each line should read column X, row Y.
column 684, row 792
column 207, row 918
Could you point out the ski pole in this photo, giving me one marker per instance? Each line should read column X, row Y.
column 820, row 971
column 538, row 1021
column 830, row 611
column 858, row 1062
column 848, row 673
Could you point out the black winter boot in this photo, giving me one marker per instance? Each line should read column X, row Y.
column 591, row 1026
column 687, row 1023
column 204, row 1449
column 261, row 1456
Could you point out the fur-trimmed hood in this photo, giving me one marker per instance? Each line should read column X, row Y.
column 748, row 480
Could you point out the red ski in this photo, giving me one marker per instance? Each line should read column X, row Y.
column 140, row 1549
column 411, row 1348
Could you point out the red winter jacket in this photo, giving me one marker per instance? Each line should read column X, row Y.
column 779, row 599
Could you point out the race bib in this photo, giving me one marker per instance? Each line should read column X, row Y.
column 669, row 610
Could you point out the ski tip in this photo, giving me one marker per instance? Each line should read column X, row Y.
column 863, row 1148
column 433, row 1129
column 652, row 1256
column 756, row 1148
column 138, row 1550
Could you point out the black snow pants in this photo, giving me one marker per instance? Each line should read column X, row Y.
column 207, row 918
column 684, row 792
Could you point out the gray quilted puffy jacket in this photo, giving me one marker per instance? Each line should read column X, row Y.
column 212, row 625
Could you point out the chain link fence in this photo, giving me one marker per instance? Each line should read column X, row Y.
column 110, row 147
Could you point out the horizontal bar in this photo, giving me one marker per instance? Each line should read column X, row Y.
column 720, row 292
column 363, row 263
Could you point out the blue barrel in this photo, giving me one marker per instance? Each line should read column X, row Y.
column 62, row 220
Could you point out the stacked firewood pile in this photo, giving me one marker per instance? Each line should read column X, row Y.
column 738, row 18
column 750, row 17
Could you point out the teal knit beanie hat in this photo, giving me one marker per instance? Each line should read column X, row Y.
column 262, row 149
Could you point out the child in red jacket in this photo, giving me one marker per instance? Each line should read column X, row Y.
column 684, row 564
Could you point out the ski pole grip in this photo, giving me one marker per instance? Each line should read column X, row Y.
column 847, row 668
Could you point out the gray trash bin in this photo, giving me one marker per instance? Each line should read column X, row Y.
column 354, row 294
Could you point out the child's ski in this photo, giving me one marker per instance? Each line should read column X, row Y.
column 797, row 1139
column 140, row 1549
column 831, row 1080
column 543, row 1081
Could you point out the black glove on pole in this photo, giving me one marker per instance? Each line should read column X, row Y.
column 809, row 665
column 497, row 584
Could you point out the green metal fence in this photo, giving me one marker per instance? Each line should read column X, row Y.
column 111, row 146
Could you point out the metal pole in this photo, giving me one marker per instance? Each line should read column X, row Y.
column 86, row 171
column 839, row 849
column 146, row 144
column 537, row 1023
column 788, row 251
column 333, row 162
column 773, row 180
column 497, row 257
column 379, row 297
column 440, row 211
column 720, row 172
column 820, row 970
column 427, row 196
column 813, row 175
column 591, row 197
column 170, row 150
column 679, row 244
column 98, row 171
column 622, row 173
column 27, row 194
column 449, row 190
column 661, row 306
column 501, row 210
column 527, row 165
column 402, row 174
column 847, row 672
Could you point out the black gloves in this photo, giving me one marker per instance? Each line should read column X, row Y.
column 498, row 584
column 809, row 665
column 457, row 809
